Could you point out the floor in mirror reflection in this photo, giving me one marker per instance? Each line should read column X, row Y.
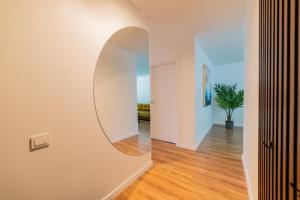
column 139, row 144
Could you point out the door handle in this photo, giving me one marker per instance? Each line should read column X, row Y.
column 268, row 144
column 295, row 188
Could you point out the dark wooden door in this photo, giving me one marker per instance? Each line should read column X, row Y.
column 279, row 147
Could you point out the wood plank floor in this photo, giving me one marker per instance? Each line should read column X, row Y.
column 213, row 172
column 139, row 144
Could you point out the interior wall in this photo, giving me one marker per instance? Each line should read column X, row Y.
column 115, row 93
column 204, row 115
column 186, row 95
column 250, row 154
column 143, row 89
column 181, row 52
column 143, row 80
column 229, row 74
column 49, row 50
column 194, row 120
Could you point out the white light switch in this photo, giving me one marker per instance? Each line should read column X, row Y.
column 39, row 141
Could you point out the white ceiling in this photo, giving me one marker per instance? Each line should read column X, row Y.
column 217, row 23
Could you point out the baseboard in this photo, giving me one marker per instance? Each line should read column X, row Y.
column 186, row 146
column 203, row 136
column 195, row 146
column 250, row 195
column 117, row 139
column 128, row 181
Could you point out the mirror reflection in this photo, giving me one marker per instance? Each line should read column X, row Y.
column 122, row 90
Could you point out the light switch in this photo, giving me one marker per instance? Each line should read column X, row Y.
column 39, row 141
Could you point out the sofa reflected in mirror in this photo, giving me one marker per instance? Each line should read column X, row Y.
column 143, row 111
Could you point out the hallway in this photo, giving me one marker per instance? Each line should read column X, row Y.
column 214, row 171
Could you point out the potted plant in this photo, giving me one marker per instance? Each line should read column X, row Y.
column 229, row 98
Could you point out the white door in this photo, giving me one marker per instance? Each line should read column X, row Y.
column 163, row 107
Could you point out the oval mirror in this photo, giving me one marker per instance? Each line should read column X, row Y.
column 122, row 90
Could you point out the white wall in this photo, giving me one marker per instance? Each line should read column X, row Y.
column 48, row 53
column 181, row 52
column 204, row 115
column 250, row 154
column 143, row 89
column 115, row 93
column 229, row 74
column 143, row 79
column 186, row 95
column 194, row 120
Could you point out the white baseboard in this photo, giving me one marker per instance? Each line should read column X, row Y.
column 250, row 195
column 186, row 146
column 117, row 139
column 128, row 181
column 195, row 146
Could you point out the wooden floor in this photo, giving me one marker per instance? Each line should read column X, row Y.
column 139, row 144
column 213, row 172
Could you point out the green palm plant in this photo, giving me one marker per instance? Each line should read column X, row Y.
column 228, row 98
